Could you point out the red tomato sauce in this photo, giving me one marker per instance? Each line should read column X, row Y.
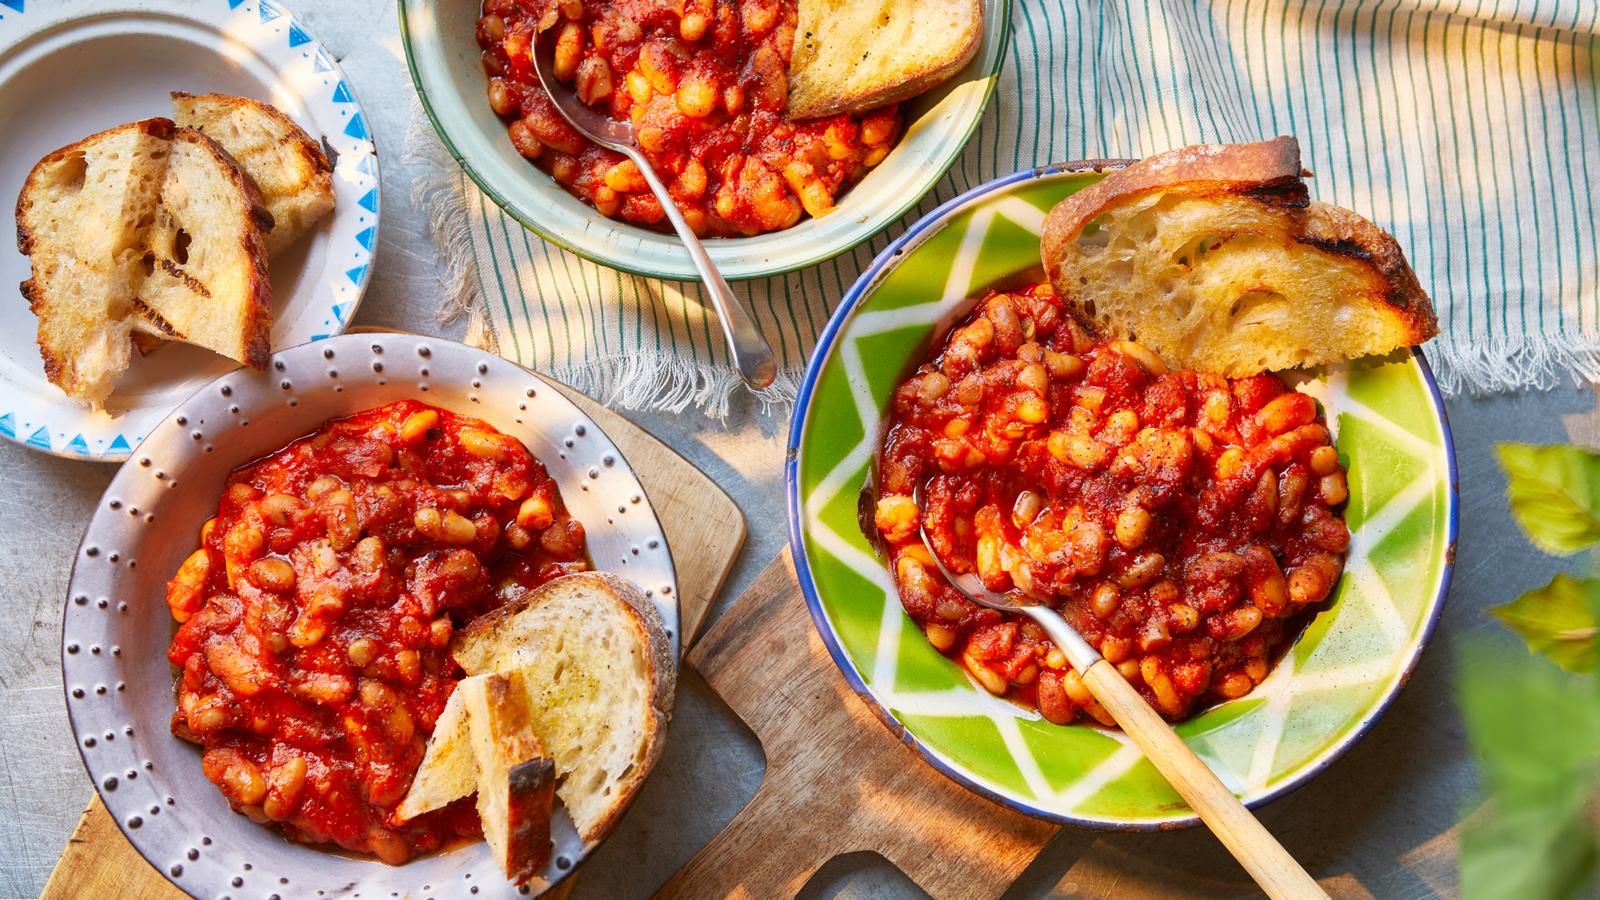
column 1178, row 519
column 705, row 85
column 317, row 613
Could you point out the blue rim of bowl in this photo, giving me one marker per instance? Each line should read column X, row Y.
column 926, row 227
column 914, row 197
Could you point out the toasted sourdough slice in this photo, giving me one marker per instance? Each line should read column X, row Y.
column 1215, row 258
column 515, row 779
column 80, row 218
column 205, row 255
column 446, row 773
column 856, row 55
column 290, row 168
column 595, row 660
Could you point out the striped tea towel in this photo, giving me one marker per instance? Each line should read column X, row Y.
column 1466, row 127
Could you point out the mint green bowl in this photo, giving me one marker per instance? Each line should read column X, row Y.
column 1331, row 686
column 443, row 56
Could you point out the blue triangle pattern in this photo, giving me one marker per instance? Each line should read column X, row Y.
column 365, row 165
column 40, row 438
column 269, row 12
column 322, row 63
column 358, row 274
column 320, row 337
column 340, row 309
column 370, row 201
column 8, row 425
column 357, row 127
column 79, row 445
column 341, row 94
column 297, row 36
column 234, row 4
column 365, row 238
column 120, row 445
column 13, row 4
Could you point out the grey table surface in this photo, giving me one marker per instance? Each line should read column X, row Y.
column 1383, row 821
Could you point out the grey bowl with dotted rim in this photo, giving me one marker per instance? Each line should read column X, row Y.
column 116, row 628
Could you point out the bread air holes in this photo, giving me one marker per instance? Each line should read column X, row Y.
column 1094, row 237
column 72, row 172
column 1266, row 309
column 180, row 247
column 1189, row 254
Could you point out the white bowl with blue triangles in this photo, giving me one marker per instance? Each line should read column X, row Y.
column 70, row 68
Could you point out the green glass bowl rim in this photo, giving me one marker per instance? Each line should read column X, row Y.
column 937, row 172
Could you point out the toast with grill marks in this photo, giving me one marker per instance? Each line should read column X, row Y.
column 81, row 218
column 854, row 55
column 598, row 653
column 583, row 665
column 1216, row 258
column 515, row 779
column 290, row 169
column 205, row 258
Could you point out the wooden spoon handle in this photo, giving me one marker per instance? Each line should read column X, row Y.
column 1246, row 838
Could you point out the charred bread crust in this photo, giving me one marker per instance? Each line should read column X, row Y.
column 1344, row 233
column 54, row 365
column 893, row 93
column 1267, row 172
column 532, row 786
column 660, row 663
column 259, row 312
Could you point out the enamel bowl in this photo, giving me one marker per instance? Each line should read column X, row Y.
column 116, row 628
column 441, row 47
column 1326, row 692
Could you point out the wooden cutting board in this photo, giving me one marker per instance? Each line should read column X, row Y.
column 704, row 529
column 837, row 781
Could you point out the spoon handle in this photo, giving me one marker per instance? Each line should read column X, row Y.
column 751, row 354
column 1277, row 873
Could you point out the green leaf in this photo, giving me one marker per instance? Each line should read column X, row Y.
column 1558, row 620
column 1531, row 854
column 1554, row 494
column 1536, row 733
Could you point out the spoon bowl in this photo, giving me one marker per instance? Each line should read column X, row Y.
column 751, row 354
column 1278, row 874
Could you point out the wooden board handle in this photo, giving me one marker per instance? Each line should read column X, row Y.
column 1278, row 874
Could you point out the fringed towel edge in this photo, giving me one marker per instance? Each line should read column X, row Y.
column 1506, row 364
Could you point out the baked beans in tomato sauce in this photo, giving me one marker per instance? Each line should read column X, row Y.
column 316, row 616
column 705, row 84
column 1178, row 519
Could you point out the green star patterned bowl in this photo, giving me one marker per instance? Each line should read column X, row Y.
column 1330, row 687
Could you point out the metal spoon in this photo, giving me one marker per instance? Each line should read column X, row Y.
column 751, row 354
column 1277, row 873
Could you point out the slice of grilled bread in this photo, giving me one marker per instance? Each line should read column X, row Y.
column 80, row 220
column 856, row 55
column 515, row 779
column 446, row 773
column 290, row 168
column 205, row 255
column 600, row 678
column 1215, row 258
